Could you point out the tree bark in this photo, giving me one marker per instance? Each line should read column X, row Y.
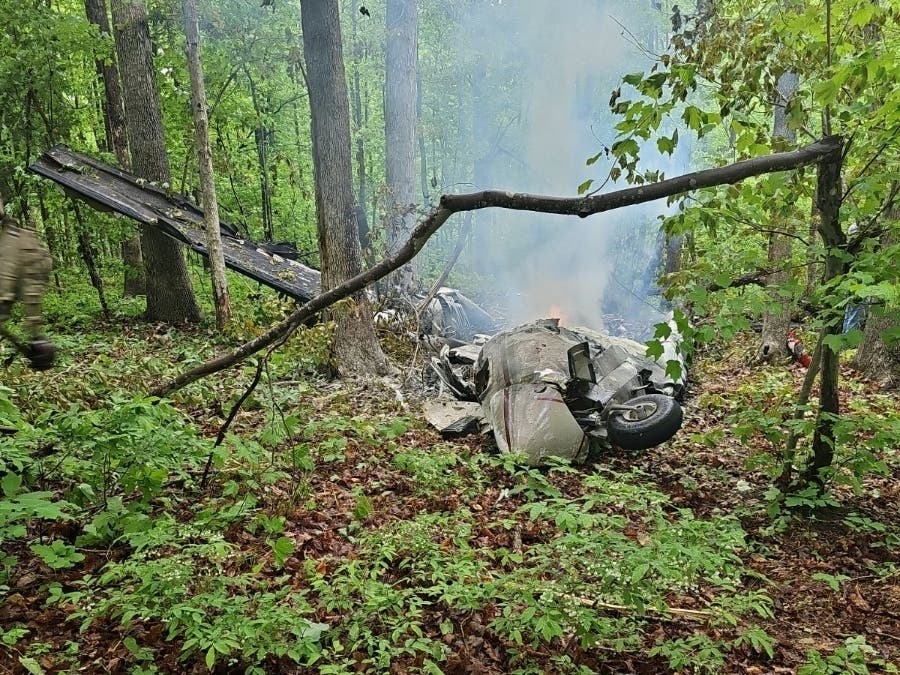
column 828, row 190
column 401, row 85
column 777, row 319
column 450, row 204
column 262, row 137
column 170, row 296
column 876, row 358
column 113, row 110
column 86, row 249
column 365, row 239
column 204, row 156
column 355, row 349
column 482, row 243
column 117, row 141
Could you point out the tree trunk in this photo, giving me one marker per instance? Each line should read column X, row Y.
column 113, row 111
column 420, row 137
column 356, row 350
column 400, row 130
column 482, row 241
column 204, row 155
column 365, row 239
column 829, row 200
column 777, row 319
column 117, row 141
column 262, row 137
column 86, row 249
column 673, row 253
column 876, row 358
column 170, row 296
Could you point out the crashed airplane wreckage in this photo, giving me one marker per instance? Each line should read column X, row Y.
column 549, row 391
column 544, row 390
column 107, row 188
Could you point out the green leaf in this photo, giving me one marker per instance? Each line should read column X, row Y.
column 639, row 572
column 585, row 185
column 10, row 484
column 673, row 369
column 863, row 15
column 625, row 148
column 363, row 507
column 58, row 555
column 31, row 665
column 633, row 79
column 834, row 342
column 693, row 117
column 282, row 548
column 654, row 349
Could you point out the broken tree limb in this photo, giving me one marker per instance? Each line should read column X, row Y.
column 586, row 206
column 450, row 204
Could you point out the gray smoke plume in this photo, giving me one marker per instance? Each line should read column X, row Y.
column 553, row 65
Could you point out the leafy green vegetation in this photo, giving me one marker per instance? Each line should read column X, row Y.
column 337, row 534
column 327, row 529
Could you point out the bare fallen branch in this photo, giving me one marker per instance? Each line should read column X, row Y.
column 450, row 204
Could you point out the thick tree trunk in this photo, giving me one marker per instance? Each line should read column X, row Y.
column 117, row 141
column 400, row 129
column 170, row 296
column 777, row 319
column 356, row 350
column 365, row 238
column 877, row 358
column 420, row 137
column 204, row 155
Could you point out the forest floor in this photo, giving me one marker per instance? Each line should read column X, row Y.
column 334, row 529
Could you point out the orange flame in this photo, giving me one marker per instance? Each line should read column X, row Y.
column 556, row 312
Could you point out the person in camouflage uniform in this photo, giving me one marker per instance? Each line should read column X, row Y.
column 24, row 271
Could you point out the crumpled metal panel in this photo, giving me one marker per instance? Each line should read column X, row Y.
column 108, row 188
column 532, row 419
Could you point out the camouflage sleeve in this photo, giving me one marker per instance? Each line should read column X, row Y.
column 35, row 273
column 7, row 274
column 24, row 271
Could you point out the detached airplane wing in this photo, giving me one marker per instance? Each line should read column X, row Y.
column 108, row 188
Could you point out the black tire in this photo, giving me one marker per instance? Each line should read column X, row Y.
column 663, row 419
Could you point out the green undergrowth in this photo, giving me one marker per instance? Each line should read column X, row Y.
column 331, row 531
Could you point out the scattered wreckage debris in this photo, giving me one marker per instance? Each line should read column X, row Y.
column 549, row 391
column 797, row 350
column 108, row 188
column 448, row 318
